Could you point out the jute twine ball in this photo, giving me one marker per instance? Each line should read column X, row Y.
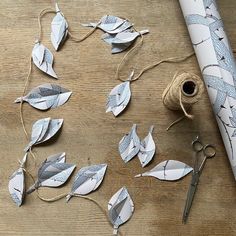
column 184, row 90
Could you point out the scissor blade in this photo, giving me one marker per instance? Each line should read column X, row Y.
column 190, row 196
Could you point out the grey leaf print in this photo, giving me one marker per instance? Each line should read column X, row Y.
column 87, row 180
column 43, row 59
column 147, row 149
column 120, row 208
column 59, row 29
column 46, row 96
column 170, row 170
column 53, row 172
column 43, row 130
column 129, row 145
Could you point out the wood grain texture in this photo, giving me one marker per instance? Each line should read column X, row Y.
column 90, row 136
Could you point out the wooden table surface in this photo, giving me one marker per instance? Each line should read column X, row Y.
column 90, row 136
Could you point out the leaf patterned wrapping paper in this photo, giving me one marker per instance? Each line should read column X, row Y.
column 59, row 29
column 46, row 96
column 120, row 208
column 43, row 59
column 217, row 65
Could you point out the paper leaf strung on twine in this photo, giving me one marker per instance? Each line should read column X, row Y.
column 122, row 40
column 119, row 97
column 46, row 96
column 147, row 149
column 43, row 130
column 43, row 59
column 109, row 24
column 129, row 145
column 88, row 179
column 53, row 172
column 120, row 208
column 16, row 184
column 59, row 29
column 170, row 170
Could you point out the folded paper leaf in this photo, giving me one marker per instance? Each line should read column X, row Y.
column 43, row 59
column 46, row 96
column 129, row 145
column 43, row 130
column 122, row 40
column 53, row 172
column 87, row 180
column 59, row 29
column 170, row 170
column 110, row 24
column 120, row 208
column 119, row 98
column 16, row 184
column 147, row 149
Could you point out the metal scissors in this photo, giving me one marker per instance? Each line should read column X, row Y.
column 208, row 151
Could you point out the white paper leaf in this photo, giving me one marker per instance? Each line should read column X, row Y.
column 16, row 184
column 127, row 36
column 59, row 29
column 120, row 208
column 43, row 59
column 43, row 130
column 109, row 23
column 129, row 145
column 87, row 180
column 46, row 96
column 122, row 40
column 147, row 149
column 118, row 98
column 169, row 170
column 53, row 172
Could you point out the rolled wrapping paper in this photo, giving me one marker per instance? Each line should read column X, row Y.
column 217, row 65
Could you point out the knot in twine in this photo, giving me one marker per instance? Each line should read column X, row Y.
column 184, row 90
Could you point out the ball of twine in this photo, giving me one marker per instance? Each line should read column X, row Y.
column 184, row 90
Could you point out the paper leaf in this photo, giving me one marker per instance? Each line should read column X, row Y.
column 43, row 59
column 115, row 48
column 87, row 180
column 16, row 184
column 168, row 170
column 147, row 149
column 118, row 98
column 108, row 23
column 129, row 145
column 120, row 208
column 43, row 130
column 46, row 96
column 53, row 172
column 122, row 40
column 59, row 29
